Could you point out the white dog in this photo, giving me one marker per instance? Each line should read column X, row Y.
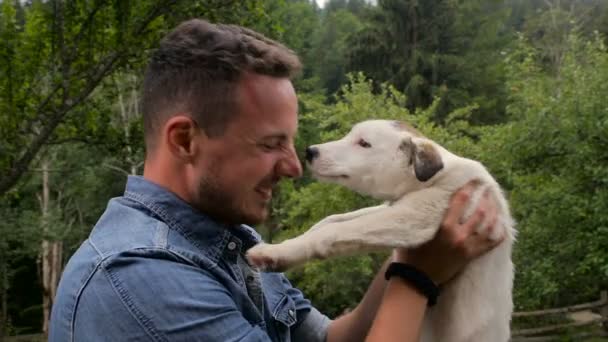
column 391, row 161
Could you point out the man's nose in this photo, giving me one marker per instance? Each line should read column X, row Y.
column 290, row 166
column 311, row 153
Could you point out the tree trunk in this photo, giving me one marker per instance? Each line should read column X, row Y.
column 413, row 16
column 45, row 251
column 3, row 295
column 604, row 310
column 128, row 112
column 51, row 253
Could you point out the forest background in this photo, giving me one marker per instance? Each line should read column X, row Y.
column 520, row 85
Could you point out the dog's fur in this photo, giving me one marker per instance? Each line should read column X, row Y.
column 391, row 161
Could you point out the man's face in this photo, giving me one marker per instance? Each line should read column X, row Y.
column 237, row 171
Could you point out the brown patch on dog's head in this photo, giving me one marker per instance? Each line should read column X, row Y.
column 402, row 126
column 427, row 161
column 408, row 147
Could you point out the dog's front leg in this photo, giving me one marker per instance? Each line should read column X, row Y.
column 346, row 216
column 391, row 227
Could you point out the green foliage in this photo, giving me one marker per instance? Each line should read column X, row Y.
column 330, row 46
column 429, row 49
column 58, row 55
column 296, row 37
column 553, row 157
column 52, row 62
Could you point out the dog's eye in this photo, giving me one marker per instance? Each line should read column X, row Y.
column 364, row 143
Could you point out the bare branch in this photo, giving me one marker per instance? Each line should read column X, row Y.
column 116, row 168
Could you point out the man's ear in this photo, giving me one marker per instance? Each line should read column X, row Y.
column 180, row 135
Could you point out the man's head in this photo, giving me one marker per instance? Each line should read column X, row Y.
column 220, row 116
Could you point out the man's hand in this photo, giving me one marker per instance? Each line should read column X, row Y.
column 456, row 242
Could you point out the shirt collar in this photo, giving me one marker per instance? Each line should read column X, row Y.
column 210, row 236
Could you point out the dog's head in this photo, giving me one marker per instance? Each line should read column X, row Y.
column 380, row 158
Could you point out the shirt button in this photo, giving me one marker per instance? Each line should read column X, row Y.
column 291, row 312
column 231, row 245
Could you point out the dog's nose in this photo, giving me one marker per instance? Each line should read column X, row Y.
column 311, row 153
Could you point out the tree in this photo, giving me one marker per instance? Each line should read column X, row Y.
column 16, row 248
column 295, row 23
column 58, row 54
column 429, row 49
column 330, row 48
column 552, row 157
column 127, row 120
column 401, row 45
column 54, row 60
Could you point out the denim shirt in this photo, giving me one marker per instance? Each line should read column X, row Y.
column 155, row 269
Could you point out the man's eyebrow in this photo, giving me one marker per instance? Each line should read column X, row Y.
column 280, row 136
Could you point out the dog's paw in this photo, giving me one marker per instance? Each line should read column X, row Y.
column 266, row 257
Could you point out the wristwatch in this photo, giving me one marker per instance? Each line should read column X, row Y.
column 416, row 278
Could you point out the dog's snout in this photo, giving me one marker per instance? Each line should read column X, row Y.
column 311, row 153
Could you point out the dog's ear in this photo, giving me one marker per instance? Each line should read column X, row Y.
column 425, row 158
column 427, row 161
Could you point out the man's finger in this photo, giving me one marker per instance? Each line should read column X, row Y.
column 486, row 205
column 491, row 227
column 458, row 203
column 470, row 226
column 484, row 245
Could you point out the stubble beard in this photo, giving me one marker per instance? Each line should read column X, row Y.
column 223, row 206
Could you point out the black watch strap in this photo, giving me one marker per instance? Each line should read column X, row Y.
column 416, row 278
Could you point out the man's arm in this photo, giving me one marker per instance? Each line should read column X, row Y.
column 394, row 309
column 354, row 325
column 400, row 315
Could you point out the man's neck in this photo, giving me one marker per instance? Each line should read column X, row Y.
column 168, row 176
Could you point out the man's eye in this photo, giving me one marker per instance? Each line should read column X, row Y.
column 364, row 143
column 269, row 147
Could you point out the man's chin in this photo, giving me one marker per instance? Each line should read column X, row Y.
column 252, row 214
column 255, row 218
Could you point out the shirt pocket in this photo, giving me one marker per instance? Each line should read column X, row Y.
column 285, row 311
column 284, row 317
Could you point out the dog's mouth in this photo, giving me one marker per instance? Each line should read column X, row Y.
column 329, row 176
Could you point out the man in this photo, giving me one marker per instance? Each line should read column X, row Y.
column 166, row 261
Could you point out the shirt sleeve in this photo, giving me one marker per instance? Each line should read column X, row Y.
column 149, row 294
column 312, row 324
column 313, row 327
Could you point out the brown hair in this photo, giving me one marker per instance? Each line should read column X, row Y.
column 196, row 70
